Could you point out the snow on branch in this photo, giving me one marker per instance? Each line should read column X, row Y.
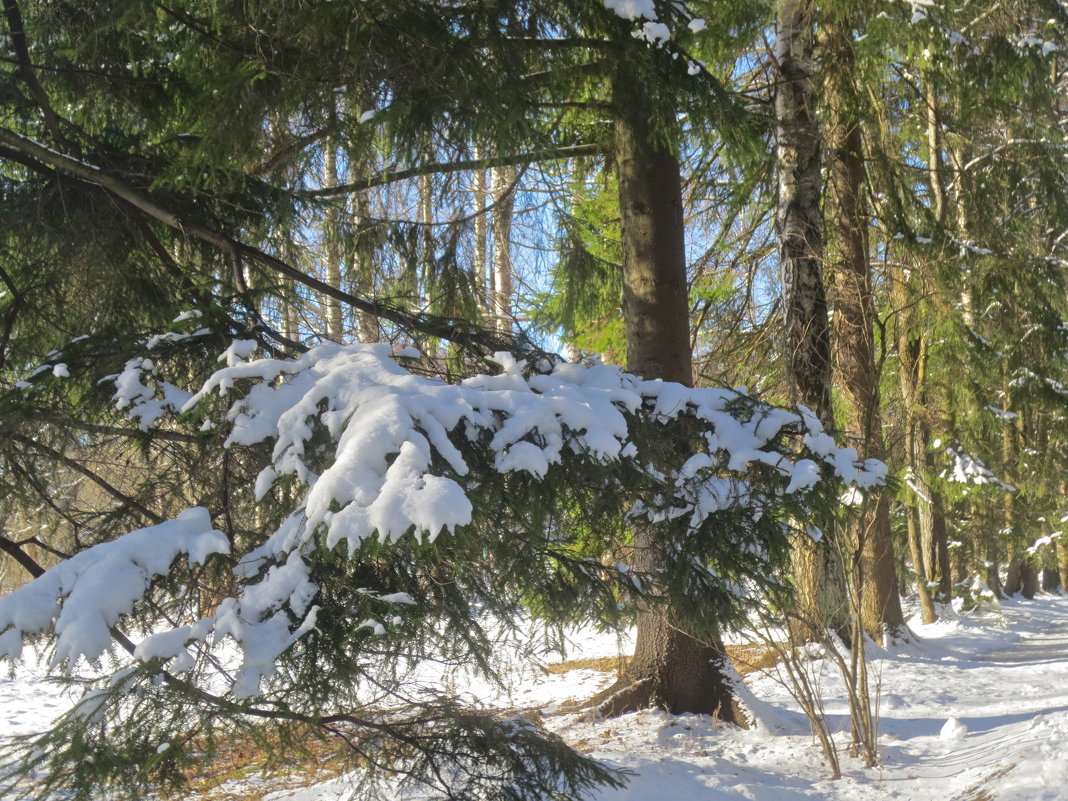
column 968, row 469
column 384, row 453
column 87, row 594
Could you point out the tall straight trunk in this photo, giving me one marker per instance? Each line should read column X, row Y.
column 362, row 271
column 479, row 256
column 800, row 219
column 927, row 524
column 935, row 171
column 927, row 608
column 503, row 206
column 910, row 371
column 332, row 241
column 821, row 595
column 670, row 669
column 1062, row 561
column 854, row 323
column 425, row 217
column 423, row 269
column 987, row 554
column 291, row 315
column 1017, row 569
column 363, row 265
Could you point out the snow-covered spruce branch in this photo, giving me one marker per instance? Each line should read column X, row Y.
column 449, row 499
column 392, row 433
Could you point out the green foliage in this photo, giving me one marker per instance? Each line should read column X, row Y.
column 585, row 294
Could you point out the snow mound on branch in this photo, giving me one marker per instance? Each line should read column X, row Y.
column 382, row 452
column 391, row 434
column 88, row 593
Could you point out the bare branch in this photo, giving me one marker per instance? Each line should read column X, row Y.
column 459, row 165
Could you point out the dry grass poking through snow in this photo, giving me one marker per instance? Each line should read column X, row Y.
column 746, row 659
column 244, row 769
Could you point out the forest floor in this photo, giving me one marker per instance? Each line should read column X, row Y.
column 974, row 708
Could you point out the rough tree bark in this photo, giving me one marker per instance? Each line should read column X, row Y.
column 926, row 520
column 854, row 326
column 670, row 669
column 821, row 596
column 362, row 261
column 800, row 220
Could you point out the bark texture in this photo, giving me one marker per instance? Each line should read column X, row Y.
column 479, row 256
column 670, row 669
column 504, row 179
column 928, row 541
column 800, row 221
column 854, row 323
column 332, row 245
column 821, row 596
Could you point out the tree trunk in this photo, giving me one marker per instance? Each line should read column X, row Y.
column 927, row 513
column 1013, row 573
column 1029, row 578
column 821, row 596
column 363, row 266
column 986, row 552
column 927, row 608
column 853, row 324
column 332, row 243
column 1051, row 579
column 670, row 669
column 503, row 204
column 362, row 259
column 479, row 259
column 1062, row 561
column 800, row 219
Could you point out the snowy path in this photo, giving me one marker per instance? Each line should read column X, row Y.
column 969, row 711
column 1006, row 691
column 1006, row 688
column 1048, row 644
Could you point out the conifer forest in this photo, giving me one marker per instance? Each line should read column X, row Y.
column 538, row 399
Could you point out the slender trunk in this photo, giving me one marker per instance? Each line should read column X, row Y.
column 912, row 351
column 332, row 241
column 958, row 561
column 927, row 608
column 1016, row 572
column 821, row 596
column 854, row 323
column 911, row 375
column 986, row 553
column 935, row 170
column 1062, row 561
column 291, row 316
column 423, row 269
column 363, row 266
column 800, row 220
column 362, row 258
column 479, row 260
column 670, row 669
column 503, row 204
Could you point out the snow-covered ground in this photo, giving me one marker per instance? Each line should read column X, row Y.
column 973, row 709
